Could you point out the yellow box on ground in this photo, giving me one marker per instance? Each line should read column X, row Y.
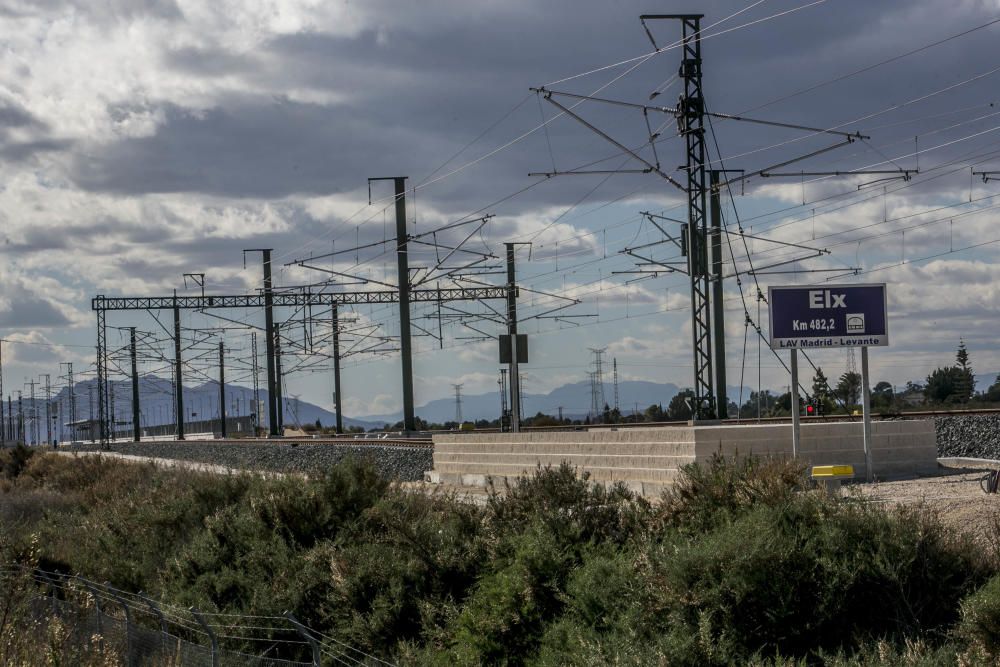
column 828, row 472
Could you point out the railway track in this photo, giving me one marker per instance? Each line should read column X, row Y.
column 910, row 414
column 424, row 439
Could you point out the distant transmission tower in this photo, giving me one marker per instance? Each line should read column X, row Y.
column 595, row 396
column 599, row 373
column 614, row 364
column 458, row 403
column 852, row 365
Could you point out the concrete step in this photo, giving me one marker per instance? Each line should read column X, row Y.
column 573, row 459
column 475, row 484
column 641, row 448
column 597, row 474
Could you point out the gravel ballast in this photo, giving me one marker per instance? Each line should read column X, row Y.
column 971, row 436
column 394, row 462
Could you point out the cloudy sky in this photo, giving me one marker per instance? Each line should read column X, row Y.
column 144, row 139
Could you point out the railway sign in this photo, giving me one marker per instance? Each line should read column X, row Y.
column 814, row 317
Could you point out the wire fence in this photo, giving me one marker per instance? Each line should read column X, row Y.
column 147, row 633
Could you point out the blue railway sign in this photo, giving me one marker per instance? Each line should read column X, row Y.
column 814, row 317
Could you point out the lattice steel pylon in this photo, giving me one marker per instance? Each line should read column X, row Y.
column 600, row 400
column 102, row 371
column 595, row 397
column 691, row 124
column 458, row 403
column 706, row 277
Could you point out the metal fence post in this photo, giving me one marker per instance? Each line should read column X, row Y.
column 211, row 635
column 97, row 605
column 164, row 635
column 304, row 631
column 129, row 658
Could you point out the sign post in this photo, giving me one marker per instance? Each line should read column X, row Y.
column 796, row 425
column 828, row 316
column 866, row 411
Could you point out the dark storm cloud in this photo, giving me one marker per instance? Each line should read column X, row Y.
column 14, row 115
column 420, row 89
column 102, row 235
column 253, row 148
column 21, row 151
column 25, row 308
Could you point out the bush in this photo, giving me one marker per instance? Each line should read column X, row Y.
column 14, row 461
column 812, row 574
column 400, row 574
column 739, row 564
column 505, row 617
column 706, row 495
column 980, row 625
column 573, row 509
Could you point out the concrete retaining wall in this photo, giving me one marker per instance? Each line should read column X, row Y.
column 648, row 459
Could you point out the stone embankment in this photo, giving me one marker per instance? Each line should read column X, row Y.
column 395, row 462
column 971, row 436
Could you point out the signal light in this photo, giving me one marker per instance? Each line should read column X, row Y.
column 810, row 410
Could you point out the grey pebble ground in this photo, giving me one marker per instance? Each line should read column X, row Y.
column 973, row 436
column 399, row 463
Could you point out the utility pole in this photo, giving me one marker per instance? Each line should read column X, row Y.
column 48, row 409
column 515, row 376
column 178, row 372
column 33, row 433
column 270, row 340
column 691, row 122
column 338, row 404
column 278, row 380
column 503, row 397
column 403, row 277
column 90, row 409
column 102, row 378
column 255, row 370
column 222, row 387
column 20, row 419
column 112, row 412
column 718, row 303
column 136, row 434
column 458, row 404
column 560, row 414
column 72, row 399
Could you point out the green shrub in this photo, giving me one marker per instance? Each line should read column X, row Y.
column 574, row 509
column 15, row 460
column 505, row 617
column 980, row 624
column 705, row 495
column 738, row 565
column 400, row 574
column 813, row 574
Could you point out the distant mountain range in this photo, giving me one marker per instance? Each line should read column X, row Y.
column 574, row 399
column 202, row 401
